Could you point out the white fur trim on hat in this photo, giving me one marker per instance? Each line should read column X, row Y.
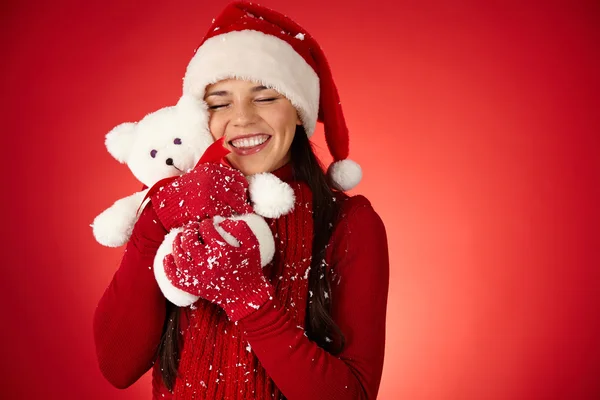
column 258, row 57
column 171, row 293
column 270, row 196
column 344, row 174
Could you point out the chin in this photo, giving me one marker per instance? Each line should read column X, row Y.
column 248, row 168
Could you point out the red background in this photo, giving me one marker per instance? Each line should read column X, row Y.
column 477, row 128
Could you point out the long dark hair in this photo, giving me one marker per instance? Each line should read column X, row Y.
column 320, row 327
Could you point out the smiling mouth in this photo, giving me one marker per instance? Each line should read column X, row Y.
column 249, row 142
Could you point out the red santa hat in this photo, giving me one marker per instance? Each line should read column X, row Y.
column 251, row 42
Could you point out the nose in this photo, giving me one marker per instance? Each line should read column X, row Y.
column 244, row 114
column 169, row 161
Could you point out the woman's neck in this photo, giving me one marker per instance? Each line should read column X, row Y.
column 285, row 173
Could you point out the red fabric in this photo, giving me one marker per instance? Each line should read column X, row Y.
column 358, row 258
column 129, row 318
column 282, row 360
column 203, row 264
column 214, row 153
column 209, row 189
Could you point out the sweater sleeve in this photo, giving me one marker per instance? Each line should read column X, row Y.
column 299, row 367
column 129, row 318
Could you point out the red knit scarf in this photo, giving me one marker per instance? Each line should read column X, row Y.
column 216, row 360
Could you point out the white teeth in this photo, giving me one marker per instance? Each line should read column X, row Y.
column 249, row 142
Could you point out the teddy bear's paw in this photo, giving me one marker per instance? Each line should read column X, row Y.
column 270, row 196
column 110, row 229
column 113, row 227
column 171, row 293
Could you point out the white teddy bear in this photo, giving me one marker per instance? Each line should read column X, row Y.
column 167, row 143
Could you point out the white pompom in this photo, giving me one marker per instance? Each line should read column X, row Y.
column 344, row 174
column 171, row 293
column 270, row 196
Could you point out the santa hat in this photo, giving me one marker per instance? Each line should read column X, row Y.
column 251, row 42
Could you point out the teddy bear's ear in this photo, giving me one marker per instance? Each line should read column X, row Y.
column 119, row 141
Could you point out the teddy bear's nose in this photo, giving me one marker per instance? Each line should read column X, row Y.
column 169, row 161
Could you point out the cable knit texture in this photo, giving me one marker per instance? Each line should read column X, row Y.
column 217, row 361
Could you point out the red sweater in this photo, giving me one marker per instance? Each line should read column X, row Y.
column 129, row 319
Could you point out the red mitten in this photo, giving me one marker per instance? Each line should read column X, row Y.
column 209, row 189
column 204, row 264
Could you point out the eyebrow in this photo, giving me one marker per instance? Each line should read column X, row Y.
column 225, row 92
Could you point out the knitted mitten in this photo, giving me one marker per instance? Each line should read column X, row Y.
column 204, row 264
column 209, row 189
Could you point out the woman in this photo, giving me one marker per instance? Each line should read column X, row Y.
column 315, row 328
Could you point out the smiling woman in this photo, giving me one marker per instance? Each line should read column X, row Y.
column 311, row 323
column 258, row 124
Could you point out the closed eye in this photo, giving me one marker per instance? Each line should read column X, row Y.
column 217, row 106
column 267, row 99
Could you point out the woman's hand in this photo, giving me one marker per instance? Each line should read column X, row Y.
column 204, row 264
column 208, row 190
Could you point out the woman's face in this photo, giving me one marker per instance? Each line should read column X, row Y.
column 258, row 124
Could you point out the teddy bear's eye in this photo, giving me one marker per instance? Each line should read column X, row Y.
column 177, row 141
column 153, row 153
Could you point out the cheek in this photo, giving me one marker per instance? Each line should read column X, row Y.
column 285, row 137
column 287, row 121
column 216, row 127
